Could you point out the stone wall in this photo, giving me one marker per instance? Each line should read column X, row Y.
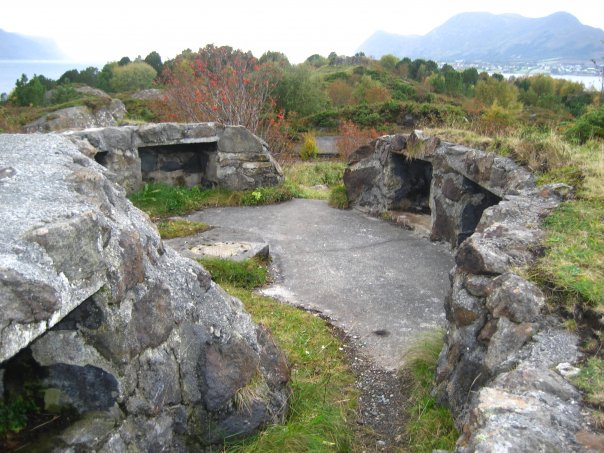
column 228, row 156
column 454, row 182
column 502, row 368
column 108, row 325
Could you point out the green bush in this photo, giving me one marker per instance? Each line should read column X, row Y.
column 132, row 76
column 309, row 149
column 141, row 110
column 587, row 126
column 64, row 93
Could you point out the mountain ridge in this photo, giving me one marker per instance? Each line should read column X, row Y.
column 14, row 46
column 502, row 38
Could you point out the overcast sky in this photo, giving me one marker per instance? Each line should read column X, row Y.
column 109, row 29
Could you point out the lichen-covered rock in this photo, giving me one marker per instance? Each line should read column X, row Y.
column 113, row 326
column 416, row 173
column 79, row 117
column 515, row 298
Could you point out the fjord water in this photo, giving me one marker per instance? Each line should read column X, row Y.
column 11, row 70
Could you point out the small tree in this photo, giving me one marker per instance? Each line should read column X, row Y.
column 494, row 90
column 28, row 92
column 340, row 92
column 351, row 137
column 309, row 149
column 154, row 60
column 389, row 62
column 219, row 84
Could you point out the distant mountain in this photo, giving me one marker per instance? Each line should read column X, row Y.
column 19, row 47
column 494, row 38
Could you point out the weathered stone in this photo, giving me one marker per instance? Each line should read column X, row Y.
column 462, row 308
column 499, row 248
column 237, row 139
column 182, row 154
column 529, row 378
column 515, row 298
column 7, row 172
column 219, row 242
column 152, row 94
column 477, row 285
column 80, row 117
column 228, row 368
column 398, row 143
column 92, row 91
column 112, row 324
column 487, row 332
column 521, row 423
column 508, row 339
column 361, row 153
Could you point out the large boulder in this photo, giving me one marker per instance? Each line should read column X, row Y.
column 109, row 325
column 108, row 113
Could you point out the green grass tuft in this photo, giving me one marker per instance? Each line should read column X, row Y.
column 429, row 426
column 591, row 381
column 176, row 228
column 324, row 397
column 160, row 200
column 338, row 198
column 314, row 173
column 246, row 274
column 574, row 259
column 14, row 414
column 305, row 175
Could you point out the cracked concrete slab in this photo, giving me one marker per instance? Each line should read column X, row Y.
column 221, row 242
column 382, row 284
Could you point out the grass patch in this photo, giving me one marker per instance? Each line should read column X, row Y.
column 574, row 259
column 303, row 176
column 338, row 198
column 176, row 228
column 591, row 381
column 324, row 396
column 14, row 414
column 248, row 274
column 429, row 426
column 160, row 200
column 315, row 173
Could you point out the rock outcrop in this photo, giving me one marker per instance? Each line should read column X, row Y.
column 79, row 117
column 196, row 154
column 498, row 370
column 412, row 173
column 133, row 341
